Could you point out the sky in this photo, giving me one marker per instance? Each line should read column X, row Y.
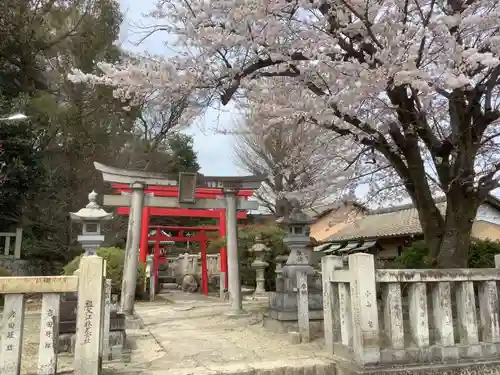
column 215, row 150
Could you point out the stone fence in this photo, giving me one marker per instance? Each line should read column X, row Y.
column 12, row 242
column 408, row 326
column 186, row 264
column 93, row 312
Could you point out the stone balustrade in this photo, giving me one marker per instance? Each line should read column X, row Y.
column 190, row 264
column 93, row 324
column 424, row 316
column 12, row 242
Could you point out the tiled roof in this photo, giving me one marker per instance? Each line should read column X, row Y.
column 402, row 222
column 321, row 210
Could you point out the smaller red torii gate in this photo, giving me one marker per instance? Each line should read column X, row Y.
column 173, row 191
column 201, row 238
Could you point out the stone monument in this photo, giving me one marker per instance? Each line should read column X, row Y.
column 282, row 314
column 259, row 250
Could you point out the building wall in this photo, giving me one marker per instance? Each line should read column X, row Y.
column 392, row 247
column 488, row 213
column 334, row 221
column 485, row 230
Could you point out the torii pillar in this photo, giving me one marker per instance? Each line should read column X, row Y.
column 138, row 182
column 132, row 248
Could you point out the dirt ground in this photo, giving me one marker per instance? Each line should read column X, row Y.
column 145, row 348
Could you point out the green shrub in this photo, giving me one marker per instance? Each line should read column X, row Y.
column 481, row 255
column 4, row 272
column 115, row 258
column 272, row 237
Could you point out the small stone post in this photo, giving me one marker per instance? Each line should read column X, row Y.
column 259, row 250
column 88, row 344
column 298, row 263
column 151, row 276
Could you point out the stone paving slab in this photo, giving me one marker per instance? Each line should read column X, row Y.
column 189, row 334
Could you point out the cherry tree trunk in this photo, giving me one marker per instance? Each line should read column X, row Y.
column 449, row 245
column 460, row 214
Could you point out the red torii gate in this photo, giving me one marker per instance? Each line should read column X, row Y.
column 201, row 238
column 167, row 191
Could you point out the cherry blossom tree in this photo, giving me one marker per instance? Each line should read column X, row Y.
column 299, row 159
column 416, row 82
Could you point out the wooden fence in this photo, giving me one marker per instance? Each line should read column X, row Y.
column 17, row 236
column 422, row 316
column 92, row 318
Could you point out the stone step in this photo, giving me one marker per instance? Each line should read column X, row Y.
column 169, row 286
column 288, row 366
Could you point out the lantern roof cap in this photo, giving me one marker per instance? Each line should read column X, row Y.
column 92, row 211
column 296, row 216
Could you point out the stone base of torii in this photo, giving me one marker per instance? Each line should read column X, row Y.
column 138, row 182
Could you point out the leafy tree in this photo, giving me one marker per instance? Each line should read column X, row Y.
column 20, row 171
column 180, row 147
column 69, row 125
column 412, row 85
column 298, row 159
column 272, row 236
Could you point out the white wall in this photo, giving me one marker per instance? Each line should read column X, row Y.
column 488, row 213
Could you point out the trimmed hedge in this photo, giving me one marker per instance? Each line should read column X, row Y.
column 115, row 258
column 481, row 255
column 272, row 236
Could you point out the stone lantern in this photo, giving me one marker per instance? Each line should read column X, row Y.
column 91, row 239
column 91, row 217
column 259, row 250
column 296, row 225
column 295, row 289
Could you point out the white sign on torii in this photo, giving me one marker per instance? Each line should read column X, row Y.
column 138, row 182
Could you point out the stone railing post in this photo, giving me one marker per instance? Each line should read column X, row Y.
column 488, row 308
column 419, row 314
column 365, row 323
column 18, row 243
column 393, row 315
column 184, row 264
column 443, row 319
column 331, row 321
column 303, row 306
